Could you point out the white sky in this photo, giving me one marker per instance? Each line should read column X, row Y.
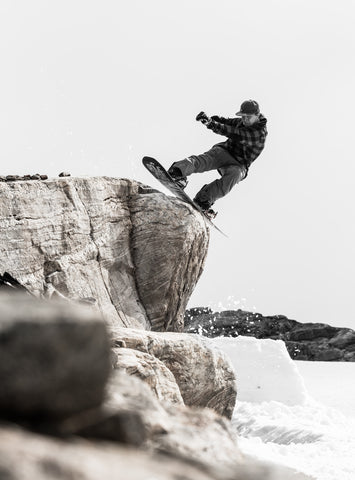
column 92, row 86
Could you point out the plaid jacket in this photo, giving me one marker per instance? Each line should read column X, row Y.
column 244, row 143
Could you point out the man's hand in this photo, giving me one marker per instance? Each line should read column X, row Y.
column 203, row 118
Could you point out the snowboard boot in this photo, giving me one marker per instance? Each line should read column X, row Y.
column 210, row 213
column 206, row 208
column 178, row 178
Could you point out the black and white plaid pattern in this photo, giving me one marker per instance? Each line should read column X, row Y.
column 244, row 143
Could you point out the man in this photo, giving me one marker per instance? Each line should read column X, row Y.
column 231, row 158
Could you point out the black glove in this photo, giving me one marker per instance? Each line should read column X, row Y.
column 202, row 117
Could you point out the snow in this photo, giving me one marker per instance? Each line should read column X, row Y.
column 299, row 414
column 264, row 370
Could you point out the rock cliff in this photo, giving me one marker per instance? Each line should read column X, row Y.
column 304, row 341
column 134, row 251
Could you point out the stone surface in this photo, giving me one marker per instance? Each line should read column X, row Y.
column 196, row 434
column 203, row 373
column 24, row 456
column 304, row 341
column 151, row 370
column 122, row 425
column 138, row 252
column 54, row 357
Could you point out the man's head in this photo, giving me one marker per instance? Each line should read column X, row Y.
column 249, row 111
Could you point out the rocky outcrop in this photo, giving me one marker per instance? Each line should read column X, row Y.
column 60, row 404
column 304, row 341
column 135, row 251
column 203, row 373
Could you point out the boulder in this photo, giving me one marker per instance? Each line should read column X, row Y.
column 203, row 373
column 151, row 370
column 54, row 357
column 138, row 252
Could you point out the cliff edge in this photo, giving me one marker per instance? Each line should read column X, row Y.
column 133, row 251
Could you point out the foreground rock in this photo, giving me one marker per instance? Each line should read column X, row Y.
column 136, row 251
column 304, row 341
column 54, row 364
column 24, row 456
column 203, row 373
column 54, row 357
column 191, row 433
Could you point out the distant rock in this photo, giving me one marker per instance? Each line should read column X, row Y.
column 27, row 177
column 304, row 341
column 137, row 252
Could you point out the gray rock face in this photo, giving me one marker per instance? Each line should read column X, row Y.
column 203, row 373
column 304, row 341
column 104, row 238
column 54, row 357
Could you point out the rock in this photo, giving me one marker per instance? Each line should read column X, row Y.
column 304, row 341
column 137, row 252
column 151, row 370
column 12, row 178
column 24, row 456
column 130, row 394
column 311, row 332
column 54, row 357
column 169, row 242
column 64, row 174
column 198, row 434
column 343, row 339
column 104, row 423
column 328, row 355
column 203, row 373
column 9, row 283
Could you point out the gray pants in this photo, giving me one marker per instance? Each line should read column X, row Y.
column 215, row 159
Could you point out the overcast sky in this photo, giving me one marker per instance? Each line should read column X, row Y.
column 92, row 86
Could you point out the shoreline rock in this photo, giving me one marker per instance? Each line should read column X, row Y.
column 304, row 341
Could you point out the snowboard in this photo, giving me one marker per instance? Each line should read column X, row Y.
column 159, row 172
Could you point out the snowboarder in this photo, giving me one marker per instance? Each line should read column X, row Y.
column 231, row 158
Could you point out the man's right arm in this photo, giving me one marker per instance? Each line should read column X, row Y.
column 225, row 129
